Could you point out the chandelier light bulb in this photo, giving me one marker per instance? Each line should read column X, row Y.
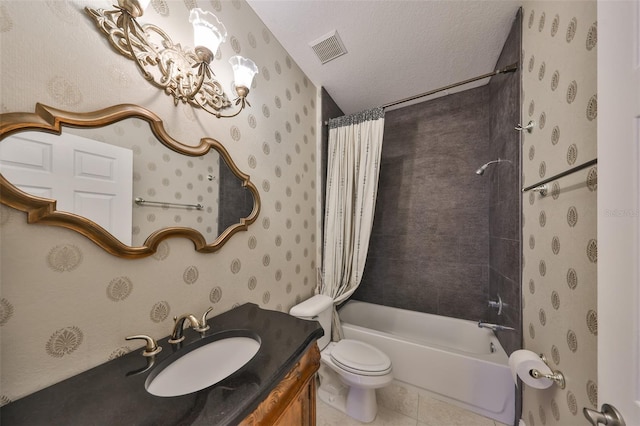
column 208, row 31
column 243, row 71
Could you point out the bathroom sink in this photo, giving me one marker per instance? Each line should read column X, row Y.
column 203, row 364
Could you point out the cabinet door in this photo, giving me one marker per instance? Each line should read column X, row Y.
column 292, row 402
column 302, row 410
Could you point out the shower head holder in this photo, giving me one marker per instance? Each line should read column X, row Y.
column 528, row 128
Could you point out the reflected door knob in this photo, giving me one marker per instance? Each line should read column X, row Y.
column 608, row 416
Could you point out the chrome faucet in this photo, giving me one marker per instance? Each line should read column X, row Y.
column 178, row 326
column 494, row 327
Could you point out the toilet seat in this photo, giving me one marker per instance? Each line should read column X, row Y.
column 360, row 358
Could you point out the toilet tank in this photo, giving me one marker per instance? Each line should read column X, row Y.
column 317, row 308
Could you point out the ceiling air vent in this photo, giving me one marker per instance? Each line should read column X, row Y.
column 328, row 47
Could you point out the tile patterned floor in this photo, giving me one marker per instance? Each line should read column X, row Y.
column 397, row 406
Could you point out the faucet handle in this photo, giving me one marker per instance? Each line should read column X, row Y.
column 202, row 325
column 499, row 304
column 151, row 347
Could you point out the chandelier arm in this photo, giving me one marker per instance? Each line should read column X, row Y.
column 186, row 88
column 205, row 108
column 170, row 80
column 128, row 22
column 136, row 25
column 201, row 74
column 214, row 112
column 242, row 106
column 166, row 70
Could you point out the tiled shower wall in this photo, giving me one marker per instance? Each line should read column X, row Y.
column 429, row 249
column 445, row 240
column 559, row 230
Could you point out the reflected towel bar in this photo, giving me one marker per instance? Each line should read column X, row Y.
column 539, row 186
column 141, row 201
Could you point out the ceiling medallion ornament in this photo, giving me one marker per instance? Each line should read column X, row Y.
column 184, row 74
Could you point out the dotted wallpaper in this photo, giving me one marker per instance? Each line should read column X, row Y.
column 65, row 304
column 559, row 230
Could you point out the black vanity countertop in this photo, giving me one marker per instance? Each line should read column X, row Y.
column 105, row 395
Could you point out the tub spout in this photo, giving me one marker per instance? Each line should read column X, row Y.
column 495, row 327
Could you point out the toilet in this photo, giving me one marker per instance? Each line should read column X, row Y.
column 350, row 370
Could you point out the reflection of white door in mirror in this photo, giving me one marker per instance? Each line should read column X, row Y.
column 86, row 177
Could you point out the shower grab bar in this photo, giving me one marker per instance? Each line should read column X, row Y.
column 141, row 201
column 495, row 327
column 539, row 186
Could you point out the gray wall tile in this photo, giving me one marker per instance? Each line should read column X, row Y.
column 430, row 245
column 439, row 229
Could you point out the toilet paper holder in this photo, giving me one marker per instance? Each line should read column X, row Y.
column 555, row 375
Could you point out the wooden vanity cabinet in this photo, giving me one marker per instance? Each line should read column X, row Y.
column 293, row 400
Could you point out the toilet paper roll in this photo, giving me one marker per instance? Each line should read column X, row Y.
column 522, row 362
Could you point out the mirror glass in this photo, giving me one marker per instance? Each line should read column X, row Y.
column 126, row 177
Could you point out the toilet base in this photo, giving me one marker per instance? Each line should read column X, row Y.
column 358, row 403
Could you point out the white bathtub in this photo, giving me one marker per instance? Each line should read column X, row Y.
column 450, row 358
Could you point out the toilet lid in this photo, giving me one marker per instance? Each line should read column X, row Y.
column 360, row 358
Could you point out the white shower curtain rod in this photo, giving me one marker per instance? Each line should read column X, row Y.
column 509, row 68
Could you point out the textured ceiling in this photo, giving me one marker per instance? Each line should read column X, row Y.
column 396, row 49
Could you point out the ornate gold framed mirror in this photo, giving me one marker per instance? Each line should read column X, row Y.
column 104, row 175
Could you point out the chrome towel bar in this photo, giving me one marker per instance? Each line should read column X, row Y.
column 541, row 187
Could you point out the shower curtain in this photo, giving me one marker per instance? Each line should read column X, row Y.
column 355, row 146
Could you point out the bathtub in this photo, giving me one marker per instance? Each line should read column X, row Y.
column 450, row 358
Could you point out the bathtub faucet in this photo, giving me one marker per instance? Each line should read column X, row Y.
column 495, row 327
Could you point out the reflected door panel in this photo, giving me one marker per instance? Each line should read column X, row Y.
column 86, row 177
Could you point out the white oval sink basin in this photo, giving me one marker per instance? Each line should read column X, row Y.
column 202, row 367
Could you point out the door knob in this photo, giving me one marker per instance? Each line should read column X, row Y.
column 608, row 416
